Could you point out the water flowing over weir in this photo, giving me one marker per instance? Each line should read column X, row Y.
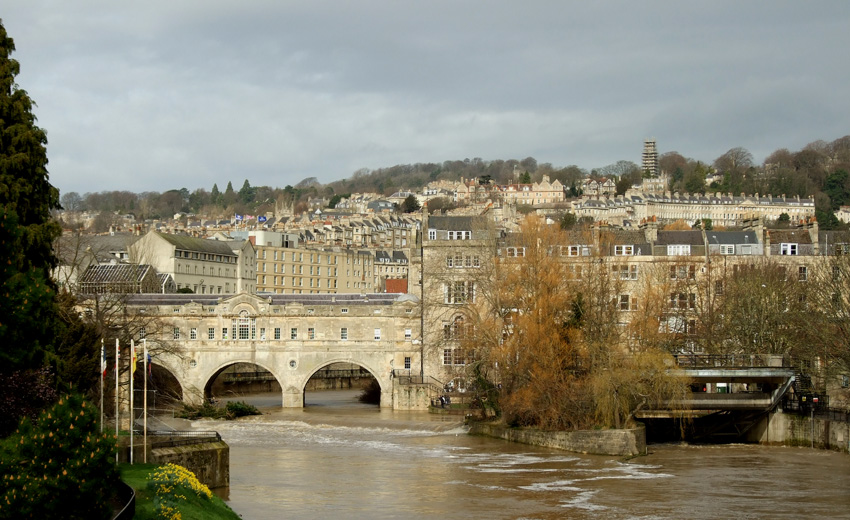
column 337, row 457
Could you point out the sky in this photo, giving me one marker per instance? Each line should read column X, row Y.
column 159, row 95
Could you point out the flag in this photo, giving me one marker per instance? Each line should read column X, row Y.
column 133, row 356
column 238, row 218
column 102, row 358
column 150, row 369
column 261, row 218
column 249, row 217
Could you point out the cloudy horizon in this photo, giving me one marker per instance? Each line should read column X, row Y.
column 165, row 95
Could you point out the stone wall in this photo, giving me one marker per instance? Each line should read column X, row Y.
column 410, row 397
column 796, row 430
column 597, row 442
column 209, row 461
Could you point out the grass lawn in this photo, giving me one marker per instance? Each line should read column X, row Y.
column 193, row 508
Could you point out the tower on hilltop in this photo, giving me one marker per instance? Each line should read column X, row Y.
column 649, row 161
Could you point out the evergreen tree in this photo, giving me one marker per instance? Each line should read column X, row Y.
column 246, row 194
column 410, row 204
column 229, row 196
column 27, row 294
column 215, row 195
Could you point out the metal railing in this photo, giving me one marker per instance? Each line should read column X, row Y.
column 822, row 410
column 128, row 494
column 729, row 360
column 170, row 439
column 407, row 377
column 247, row 377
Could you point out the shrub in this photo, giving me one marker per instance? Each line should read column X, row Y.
column 170, row 483
column 61, row 466
column 231, row 411
column 371, row 393
column 236, row 409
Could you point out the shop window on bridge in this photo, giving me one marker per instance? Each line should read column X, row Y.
column 277, row 333
column 244, row 328
column 142, row 333
column 175, row 333
column 407, row 366
column 224, row 333
column 377, row 334
column 311, row 333
column 193, row 333
column 293, row 333
column 343, row 333
column 211, row 333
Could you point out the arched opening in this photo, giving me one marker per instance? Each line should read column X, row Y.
column 164, row 392
column 240, row 380
column 342, row 384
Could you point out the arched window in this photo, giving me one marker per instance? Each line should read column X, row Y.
column 244, row 327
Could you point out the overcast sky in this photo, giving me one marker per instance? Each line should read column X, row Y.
column 156, row 95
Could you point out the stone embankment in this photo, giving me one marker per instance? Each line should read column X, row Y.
column 622, row 443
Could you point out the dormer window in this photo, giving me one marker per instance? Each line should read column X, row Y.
column 678, row 250
column 624, row 250
column 788, row 249
column 727, row 249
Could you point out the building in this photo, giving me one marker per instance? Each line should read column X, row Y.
column 200, row 265
column 649, row 158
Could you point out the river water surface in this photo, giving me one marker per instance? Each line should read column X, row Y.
column 337, row 458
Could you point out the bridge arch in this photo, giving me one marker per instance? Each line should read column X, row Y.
column 165, row 385
column 383, row 380
column 210, row 379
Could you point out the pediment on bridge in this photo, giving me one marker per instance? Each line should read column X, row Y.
column 248, row 302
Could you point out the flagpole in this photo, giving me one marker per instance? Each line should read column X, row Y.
column 132, row 418
column 102, row 377
column 117, row 408
column 145, row 422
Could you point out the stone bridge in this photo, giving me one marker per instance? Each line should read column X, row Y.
column 292, row 336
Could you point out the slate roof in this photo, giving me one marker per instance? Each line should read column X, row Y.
column 274, row 299
column 693, row 238
column 115, row 273
column 795, row 236
column 457, row 223
column 731, row 237
column 201, row 245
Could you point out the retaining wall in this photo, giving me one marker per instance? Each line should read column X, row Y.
column 625, row 442
column 796, row 430
column 209, row 461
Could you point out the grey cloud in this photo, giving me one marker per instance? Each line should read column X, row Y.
column 184, row 94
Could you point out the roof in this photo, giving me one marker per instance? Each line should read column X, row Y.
column 731, row 237
column 457, row 223
column 201, row 245
column 274, row 299
column 796, row 236
column 693, row 238
column 115, row 273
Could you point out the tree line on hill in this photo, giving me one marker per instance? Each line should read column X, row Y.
column 819, row 170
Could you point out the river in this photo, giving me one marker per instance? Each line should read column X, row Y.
column 337, row 458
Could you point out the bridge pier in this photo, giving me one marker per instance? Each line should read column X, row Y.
column 293, row 398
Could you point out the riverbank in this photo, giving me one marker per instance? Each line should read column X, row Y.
column 620, row 443
column 192, row 507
